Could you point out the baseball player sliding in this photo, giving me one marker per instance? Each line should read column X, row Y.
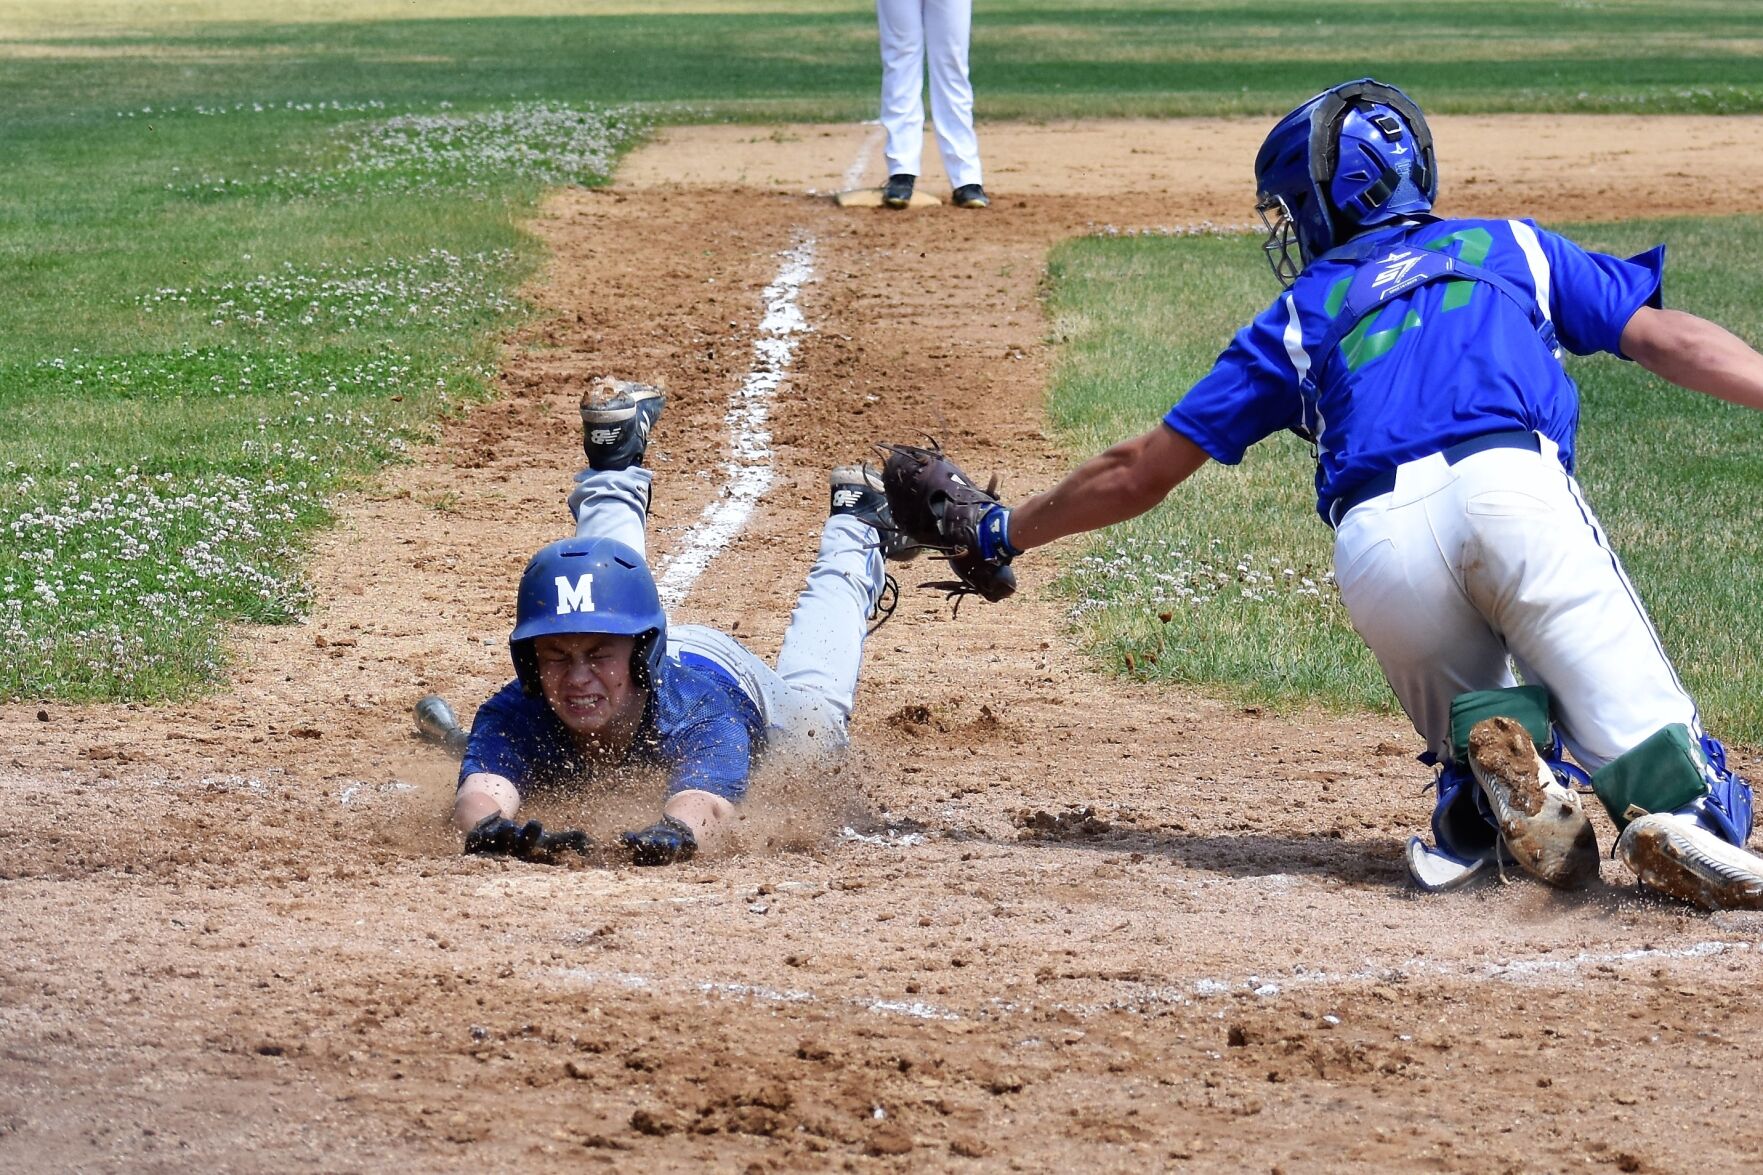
column 1422, row 358
column 602, row 681
column 914, row 32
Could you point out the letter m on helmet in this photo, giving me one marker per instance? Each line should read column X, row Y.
column 576, row 597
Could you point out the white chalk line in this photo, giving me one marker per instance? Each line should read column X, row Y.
column 915, row 1009
column 859, row 165
column 750, row 469
column 1507, row 970
column 1152, row 997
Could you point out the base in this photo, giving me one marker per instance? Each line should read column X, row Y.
column 872, row 198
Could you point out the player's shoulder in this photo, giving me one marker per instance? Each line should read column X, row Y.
column 689, row 680
column 512, row 705
column 693, row 689
column 1522, row 231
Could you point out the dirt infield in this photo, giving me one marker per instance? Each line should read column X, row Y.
column 1038, row 920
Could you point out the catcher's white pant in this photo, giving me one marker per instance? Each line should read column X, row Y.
column 1463, row 571
column 808, row 696
column 912, row 33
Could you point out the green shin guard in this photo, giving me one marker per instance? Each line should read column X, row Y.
column 1503, row 737
column 1528, row 704
column 1663, row 774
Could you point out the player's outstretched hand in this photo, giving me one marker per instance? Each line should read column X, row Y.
column 497, row 836
column 664, row 842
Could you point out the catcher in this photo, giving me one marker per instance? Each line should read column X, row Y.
column 1421, row 357
column 602, row 681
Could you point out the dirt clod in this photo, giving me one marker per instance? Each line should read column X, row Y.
column 652, row 1123
column 968, row 1146
column 1073, row 822
column 889, row 1140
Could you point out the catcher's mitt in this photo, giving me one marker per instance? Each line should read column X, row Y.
column 938, row 506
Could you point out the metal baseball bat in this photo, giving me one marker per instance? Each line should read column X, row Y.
column 436, row 721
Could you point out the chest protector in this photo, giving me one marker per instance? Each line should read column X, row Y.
column 1386, row 272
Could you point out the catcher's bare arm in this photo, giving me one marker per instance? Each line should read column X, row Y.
column 1120, row 483
column 1696, row 354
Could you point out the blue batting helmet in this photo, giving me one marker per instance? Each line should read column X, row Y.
column 590, row 586
column 1356, row 155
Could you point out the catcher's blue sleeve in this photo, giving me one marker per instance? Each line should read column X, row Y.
column 1250, row 393
column 1593, row 295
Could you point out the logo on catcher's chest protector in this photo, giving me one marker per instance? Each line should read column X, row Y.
column 1395, row 267
column 578, row 597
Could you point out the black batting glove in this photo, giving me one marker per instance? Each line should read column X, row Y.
column 666, row 842
column 497, row 836
column 493, row 836
column 572, row 839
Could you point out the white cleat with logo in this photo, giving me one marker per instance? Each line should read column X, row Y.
column 1672, row 853
column 857, row 491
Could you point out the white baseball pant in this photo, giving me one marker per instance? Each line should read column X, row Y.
column 1465, row 571
column 912, row 33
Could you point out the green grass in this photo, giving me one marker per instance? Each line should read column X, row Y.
column 217, row 149
column 1232, row 556
column 213, row 323
column 770, row 60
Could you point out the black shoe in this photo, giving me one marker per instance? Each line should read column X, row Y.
column 898, row 193
column 615, row 432
column 971, row 196
column 857, row 491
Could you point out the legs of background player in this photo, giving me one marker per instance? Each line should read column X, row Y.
column 901, row 23
column 612, row 504
column 914, row 33
column 1462, row 563
column 947, row 24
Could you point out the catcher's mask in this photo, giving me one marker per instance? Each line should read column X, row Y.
column 1356, row 155
column 591, row 586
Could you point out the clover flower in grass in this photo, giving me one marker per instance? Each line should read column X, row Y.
column 542, row 142
column 433, row 288
column 1163, row 574
column 549, row 142
column 1203, row 228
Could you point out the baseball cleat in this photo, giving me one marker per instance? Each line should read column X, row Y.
column 898, row 193
column 1541, row 822
column 857, row 491
column 1672, row 853
column 615, row 431
column 971, row 196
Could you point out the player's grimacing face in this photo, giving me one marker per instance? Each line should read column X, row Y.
column 586, row 678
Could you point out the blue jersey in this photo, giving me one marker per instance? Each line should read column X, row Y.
column 698, row 723
column 1443, row 362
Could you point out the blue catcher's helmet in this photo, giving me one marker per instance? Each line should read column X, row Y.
column 589, row 586
column 1356, row 155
